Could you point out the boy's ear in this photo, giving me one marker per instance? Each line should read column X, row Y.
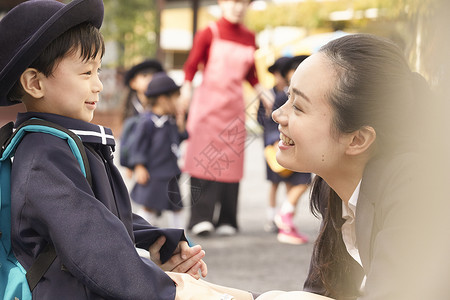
column 361, row 140
column 30, row 80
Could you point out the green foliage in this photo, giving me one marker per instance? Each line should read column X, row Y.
column 312, row 14
column 309, row 14
column 132, row 24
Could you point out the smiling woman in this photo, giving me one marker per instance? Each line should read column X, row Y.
column 354, row 117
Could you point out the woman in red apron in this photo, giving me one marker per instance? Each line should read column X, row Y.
column 216, row 121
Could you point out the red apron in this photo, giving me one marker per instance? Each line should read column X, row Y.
column 216, row 121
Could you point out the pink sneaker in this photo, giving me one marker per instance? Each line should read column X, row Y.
column 287, row 232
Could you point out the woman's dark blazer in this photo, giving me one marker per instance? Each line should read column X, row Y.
column 396, row 222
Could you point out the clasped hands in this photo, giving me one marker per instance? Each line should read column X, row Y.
column 185, row 259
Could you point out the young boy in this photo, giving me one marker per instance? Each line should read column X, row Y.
column 155, row 153
column 137, row 79
column 50, row 59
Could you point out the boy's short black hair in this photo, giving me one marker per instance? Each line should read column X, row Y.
column 85, row 37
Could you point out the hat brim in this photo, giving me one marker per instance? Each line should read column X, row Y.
column 272, row 68
column 70, row 15
column 150, row 64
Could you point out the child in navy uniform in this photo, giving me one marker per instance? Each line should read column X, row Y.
column 50, row 59
column 137, row 79
column 297, row 182
column 155, row 153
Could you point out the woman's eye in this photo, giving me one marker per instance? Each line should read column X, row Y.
column 296, row 108
column 88, row 73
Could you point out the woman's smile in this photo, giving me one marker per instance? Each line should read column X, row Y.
column 285, row 140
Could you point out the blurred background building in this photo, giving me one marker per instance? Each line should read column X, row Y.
column 139, row 29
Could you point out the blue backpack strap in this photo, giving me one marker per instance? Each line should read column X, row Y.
column 39, row 125
column 9, row 143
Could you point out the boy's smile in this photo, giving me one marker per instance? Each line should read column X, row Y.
column 73, row 88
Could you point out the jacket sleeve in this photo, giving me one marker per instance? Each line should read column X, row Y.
column 145, row 235
column 139, row 150
column 90, row 241
column 199, row 53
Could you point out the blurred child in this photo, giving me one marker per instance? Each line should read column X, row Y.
column 296, row 183
column 154, row 154
column 137, row 80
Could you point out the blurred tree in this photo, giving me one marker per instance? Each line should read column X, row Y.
column 133, row 25
column 309, row 14
column 312, row 14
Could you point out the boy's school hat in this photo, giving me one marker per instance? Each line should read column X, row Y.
column 278, row 64
column 27, row 29
column 161, row 84
column 149, row 64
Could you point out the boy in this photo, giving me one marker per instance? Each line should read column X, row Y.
column 296, row 183
column 50, row 59
column 137, row 79
column 155, row 153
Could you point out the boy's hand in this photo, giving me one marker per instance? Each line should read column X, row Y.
column 141, row 173
column 185, row 259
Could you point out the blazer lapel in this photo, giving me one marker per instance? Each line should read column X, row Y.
column 365, row 212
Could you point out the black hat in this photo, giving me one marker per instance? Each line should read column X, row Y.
column 161, row 84
column 149, row 65
column 278, row 64
column 27, row 29
column 291, row 64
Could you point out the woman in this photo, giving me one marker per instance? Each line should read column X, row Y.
column 353, row 117
column 216, row 121
column 359, row 118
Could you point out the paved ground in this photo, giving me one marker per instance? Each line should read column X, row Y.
column 253, row 259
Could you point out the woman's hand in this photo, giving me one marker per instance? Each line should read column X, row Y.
column 185, row 259
column 185, row 98
column 191, row 289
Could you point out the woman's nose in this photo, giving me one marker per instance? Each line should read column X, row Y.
column 278, row 116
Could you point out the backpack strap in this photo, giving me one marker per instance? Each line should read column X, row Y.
column 74, row 141
column 9, row 141
column 40, row 265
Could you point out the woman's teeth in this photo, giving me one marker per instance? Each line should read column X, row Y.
column 286, row 140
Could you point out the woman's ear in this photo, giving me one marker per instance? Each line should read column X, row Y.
column 361, row 140
column 30, row 80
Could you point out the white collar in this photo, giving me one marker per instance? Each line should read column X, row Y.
column 351, row 203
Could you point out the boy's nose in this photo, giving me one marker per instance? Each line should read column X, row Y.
column 97, row 86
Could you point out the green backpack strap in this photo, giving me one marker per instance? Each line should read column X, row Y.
column 9, row 142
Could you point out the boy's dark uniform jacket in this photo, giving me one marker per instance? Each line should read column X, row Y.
column 92, row 228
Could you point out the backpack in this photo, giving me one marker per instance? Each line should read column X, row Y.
column 127, row 140
column 16, row 282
